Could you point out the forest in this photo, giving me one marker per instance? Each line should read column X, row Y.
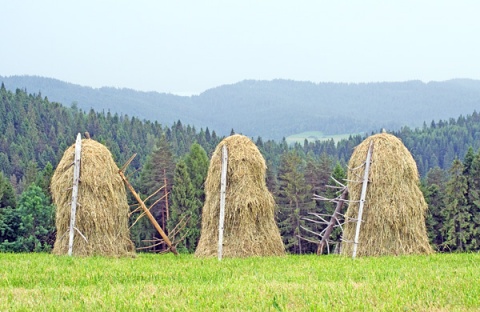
column 277, row 108
column 35, row 132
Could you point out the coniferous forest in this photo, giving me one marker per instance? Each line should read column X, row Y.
column 34, row 133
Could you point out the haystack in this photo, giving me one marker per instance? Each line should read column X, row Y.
column 102, row 213
column 394, row 208
column 249, row 228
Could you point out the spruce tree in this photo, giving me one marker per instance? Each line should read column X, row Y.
column 271, row 179
column 184, row 210
column 7, row 193
column 294, row 198
column 9, row 217
column 44, row 178
column 197, row 164
column 457, row 228
column 473, row 179
column 31, row 226
column 313, row 175
column 433, row 188
column 37, row 220
column 339, row 175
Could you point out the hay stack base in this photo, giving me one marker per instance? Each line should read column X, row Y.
column 102, row 211
column 250, row 228
column 394, row 209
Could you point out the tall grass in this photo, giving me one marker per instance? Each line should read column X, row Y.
column 293, row 283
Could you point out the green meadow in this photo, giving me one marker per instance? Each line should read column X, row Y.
column 312, row 136
column 44, row 282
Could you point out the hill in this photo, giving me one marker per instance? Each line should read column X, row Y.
column 277, row 108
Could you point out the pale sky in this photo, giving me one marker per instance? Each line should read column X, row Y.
column 187, row 47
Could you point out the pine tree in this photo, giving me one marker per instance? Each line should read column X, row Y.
column 157, row 170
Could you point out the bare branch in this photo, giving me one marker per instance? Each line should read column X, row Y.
column 310, row 231
column 86, row 240
column 138, row 219
column 334, row 187
column 360, row 166
column 319, row 197
column 339, row 183
column 156, row 202
column 314, row 221
column 154, row 193
column 308, row 240
column 354, row 181
column 151, row 246
column 319, row 216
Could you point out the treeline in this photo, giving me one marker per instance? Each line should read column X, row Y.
column 35, row 133
column 453, row 197
column 291, row 106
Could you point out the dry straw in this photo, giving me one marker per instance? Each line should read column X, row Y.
column 394, row 209
column 250, row 228
column 102, row 212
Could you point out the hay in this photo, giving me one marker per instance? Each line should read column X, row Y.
column 250, row 228
column 394, row 209
column 102, row 213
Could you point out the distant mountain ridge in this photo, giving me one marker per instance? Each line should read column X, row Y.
column 277, row 108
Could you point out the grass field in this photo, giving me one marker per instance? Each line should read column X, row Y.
column 313, row 136
column 43, row 282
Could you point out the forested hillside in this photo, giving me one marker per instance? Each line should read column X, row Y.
column 278, row 108
column 35, row 132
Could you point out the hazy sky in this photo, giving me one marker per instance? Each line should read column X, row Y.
column 186, row 47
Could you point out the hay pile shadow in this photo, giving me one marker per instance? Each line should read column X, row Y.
column 102, row 213
column 250, row 228
column 394, row 209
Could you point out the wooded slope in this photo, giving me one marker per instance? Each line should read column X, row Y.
column 278, row 108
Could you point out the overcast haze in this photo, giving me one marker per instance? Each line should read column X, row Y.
column 186, row 47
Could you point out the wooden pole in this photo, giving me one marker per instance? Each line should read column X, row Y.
column 166, row 193
column 76, row 179
column 149, row 215
column 128, row 162
column 362, row 199
column 333, row 221
column 165, row 216
column 223, row 187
